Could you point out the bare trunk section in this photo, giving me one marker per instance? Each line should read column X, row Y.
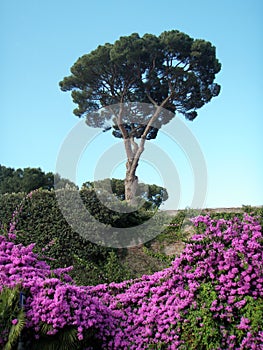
column 131, row 184
column 131, row 180
column 133, row 152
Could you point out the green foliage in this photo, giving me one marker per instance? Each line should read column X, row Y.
column 172, row 70
column 163, row 258
column 41, row 222
column 174, row 231
column 10, row 311
column 199, row 329
column 154, row 194
column 114, row 270
column 111, row 269
column 119, row 217
column 63, row 340
column 159, row 346
column 226, row 216
column 253, row 310
column 251, row 210
column 87, row 272
column 28, row 179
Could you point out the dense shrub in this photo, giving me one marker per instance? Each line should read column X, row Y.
column 38, row 220
column 53, row 304
column 119, row 217
column 210, row 297
column 28, row 179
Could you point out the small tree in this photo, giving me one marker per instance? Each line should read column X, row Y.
column 29, row 179
column 171, row 71
column 154, row 194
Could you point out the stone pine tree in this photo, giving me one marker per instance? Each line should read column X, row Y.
column 171, row 71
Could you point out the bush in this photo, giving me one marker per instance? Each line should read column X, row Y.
column 38, row 219
column 210, row 298
column 51, row 316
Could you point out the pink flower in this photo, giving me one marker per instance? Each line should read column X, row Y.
column 244, row 324
column 151, row 310
column 80, row 337
column 15, row 321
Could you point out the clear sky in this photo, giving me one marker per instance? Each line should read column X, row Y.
column 41, row 40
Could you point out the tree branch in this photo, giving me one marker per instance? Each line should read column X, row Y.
column 151, row 99
column 140, row 149
column 156, row 114
column 135, row 145
column 126, row 139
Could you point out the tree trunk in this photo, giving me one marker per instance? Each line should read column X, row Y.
column 131, row 183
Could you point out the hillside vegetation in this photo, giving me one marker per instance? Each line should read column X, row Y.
column 197, row 285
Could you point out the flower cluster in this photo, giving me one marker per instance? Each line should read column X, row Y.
column 227, row 259
column 211, row 293
column 51, row 296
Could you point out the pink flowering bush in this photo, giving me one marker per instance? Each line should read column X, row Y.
column 37, row 219
column 52, row 301
column 209, row 298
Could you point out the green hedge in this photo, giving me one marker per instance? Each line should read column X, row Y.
column 40, row 221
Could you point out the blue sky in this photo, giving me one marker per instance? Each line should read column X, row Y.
column 41, row 40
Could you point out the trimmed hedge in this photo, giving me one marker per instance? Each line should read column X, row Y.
column 40, row 221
